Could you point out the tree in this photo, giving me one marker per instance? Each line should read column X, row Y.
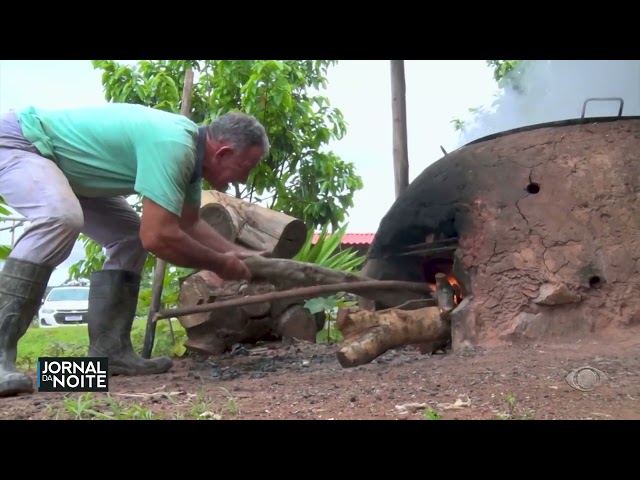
column 508, row 74
column 300, row 176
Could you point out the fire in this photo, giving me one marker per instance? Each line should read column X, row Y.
column 454, row 283
column 457, row 290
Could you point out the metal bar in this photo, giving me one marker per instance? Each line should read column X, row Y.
column 13, row 227
column 301, row 292
column 435, row 243
column 426, row 251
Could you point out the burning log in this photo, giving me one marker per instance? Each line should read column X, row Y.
column 252, row 225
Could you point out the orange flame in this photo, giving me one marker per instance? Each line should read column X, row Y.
column 452, row 280
column 457, row 289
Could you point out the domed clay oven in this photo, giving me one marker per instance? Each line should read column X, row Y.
column 539, row 227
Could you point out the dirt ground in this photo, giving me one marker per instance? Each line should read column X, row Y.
column 305, row 381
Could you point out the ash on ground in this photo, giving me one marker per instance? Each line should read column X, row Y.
column 258, row 361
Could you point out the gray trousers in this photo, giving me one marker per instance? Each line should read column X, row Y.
column 36, row 188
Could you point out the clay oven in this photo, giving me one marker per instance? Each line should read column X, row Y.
column 539, row 227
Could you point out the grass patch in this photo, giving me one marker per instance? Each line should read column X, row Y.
column 91, row 406
column 511, row 413
column 73, row 341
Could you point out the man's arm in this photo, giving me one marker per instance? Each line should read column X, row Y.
column 164, row 169
column 161, row 234
column 204, row 233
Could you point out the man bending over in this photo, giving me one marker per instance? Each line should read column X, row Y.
column 68, row 172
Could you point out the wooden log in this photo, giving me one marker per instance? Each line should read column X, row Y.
column 258, row 227
column 369, row 334
column 217, row 216
column 204, row 287
column 297, row 322
column 217, row 331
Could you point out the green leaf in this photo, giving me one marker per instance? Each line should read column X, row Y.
column 179, row 349
column 5, row 251
column 315, row 305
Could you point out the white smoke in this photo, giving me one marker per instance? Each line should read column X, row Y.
column 555, row 90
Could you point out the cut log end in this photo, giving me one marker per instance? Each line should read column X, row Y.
column 293, row 237
column 255, row 226
column 297, row 322
column 215, row 332
column 218, row 217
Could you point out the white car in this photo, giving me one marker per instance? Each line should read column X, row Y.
column 66, row 305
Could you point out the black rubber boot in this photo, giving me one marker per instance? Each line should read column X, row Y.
column 113, row 297
column 22, row 286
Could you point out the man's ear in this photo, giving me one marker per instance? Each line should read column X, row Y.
column 223, row 152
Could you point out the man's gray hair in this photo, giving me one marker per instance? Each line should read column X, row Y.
column 240, row 131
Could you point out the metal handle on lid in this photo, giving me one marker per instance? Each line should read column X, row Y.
column 603, row 99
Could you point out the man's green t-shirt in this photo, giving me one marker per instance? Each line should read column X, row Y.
column 120, row 149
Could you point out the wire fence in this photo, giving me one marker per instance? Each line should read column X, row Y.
column 16, row 222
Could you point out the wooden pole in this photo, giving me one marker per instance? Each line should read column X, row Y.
column 161, row 265
column 399, row 112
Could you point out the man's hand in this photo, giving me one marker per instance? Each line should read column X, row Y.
column 160, row 233
column 233, row 268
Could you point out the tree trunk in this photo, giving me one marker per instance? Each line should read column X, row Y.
column 255, row 226
column 367, row 334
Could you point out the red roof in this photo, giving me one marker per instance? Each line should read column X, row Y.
column 352, row 238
